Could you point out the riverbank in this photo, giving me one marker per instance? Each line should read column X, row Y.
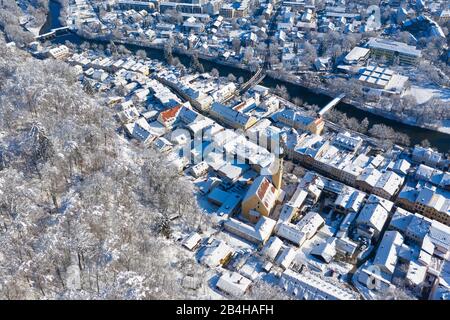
column 176, row 50
column 51, row 22
column 310, row 95
column 303, row 86
column 315, row 89
column 364, row 107
column 35, row 31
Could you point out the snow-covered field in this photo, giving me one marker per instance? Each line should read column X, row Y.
column 425, row 93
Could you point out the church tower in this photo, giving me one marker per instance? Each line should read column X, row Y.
column 278, row 175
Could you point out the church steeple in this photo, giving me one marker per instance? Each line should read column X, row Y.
column 278, row 175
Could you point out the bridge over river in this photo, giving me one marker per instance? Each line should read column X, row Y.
column 53, row 33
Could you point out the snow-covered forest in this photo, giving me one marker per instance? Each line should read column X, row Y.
column 83, row 213
column 20, row 20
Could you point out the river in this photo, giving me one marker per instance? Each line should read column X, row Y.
column 439, row 140
column 52, row 21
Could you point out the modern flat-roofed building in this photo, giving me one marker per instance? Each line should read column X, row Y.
column 382, row 79
column 357, row 55
column 391, row 49
column 59, row 52
column 137, row 5
column 185, row 6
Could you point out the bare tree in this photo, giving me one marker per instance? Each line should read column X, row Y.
column 281, row 91
column 78, row 205
column 231, row 77
column 425, row 143
column 196, row 64
column 214, row 73
column 141, row 54
column 261, row 290
column 236, row 44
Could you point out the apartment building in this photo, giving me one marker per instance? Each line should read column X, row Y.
column 393, row 49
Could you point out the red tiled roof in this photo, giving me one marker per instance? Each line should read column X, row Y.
column 169, row 114
column 265, row 184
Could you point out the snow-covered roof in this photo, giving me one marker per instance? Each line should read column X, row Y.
column 356, row 54
column 369, row 176
column 346, row 245
column 373, row 215
column 387, row 253
column 401, row 166
column 233, row 283
column 416, row 273
column 216, row 253
column 257, row 233
column 325, row 250
column 230, row 115
column 350, row 199
column 140, row 130
column 192, row 240
column 286, row 257
column 424, row 172
column 347, row 141
column 428, row 155
column 310, row 287
column 290, row 232
column 272, row 247
column 287, row 213
column 435, row 199
column 389, row 182
column 218, row 196
column 263, row 188
column 440, row 235
column 310, row 223
column 394, row 46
